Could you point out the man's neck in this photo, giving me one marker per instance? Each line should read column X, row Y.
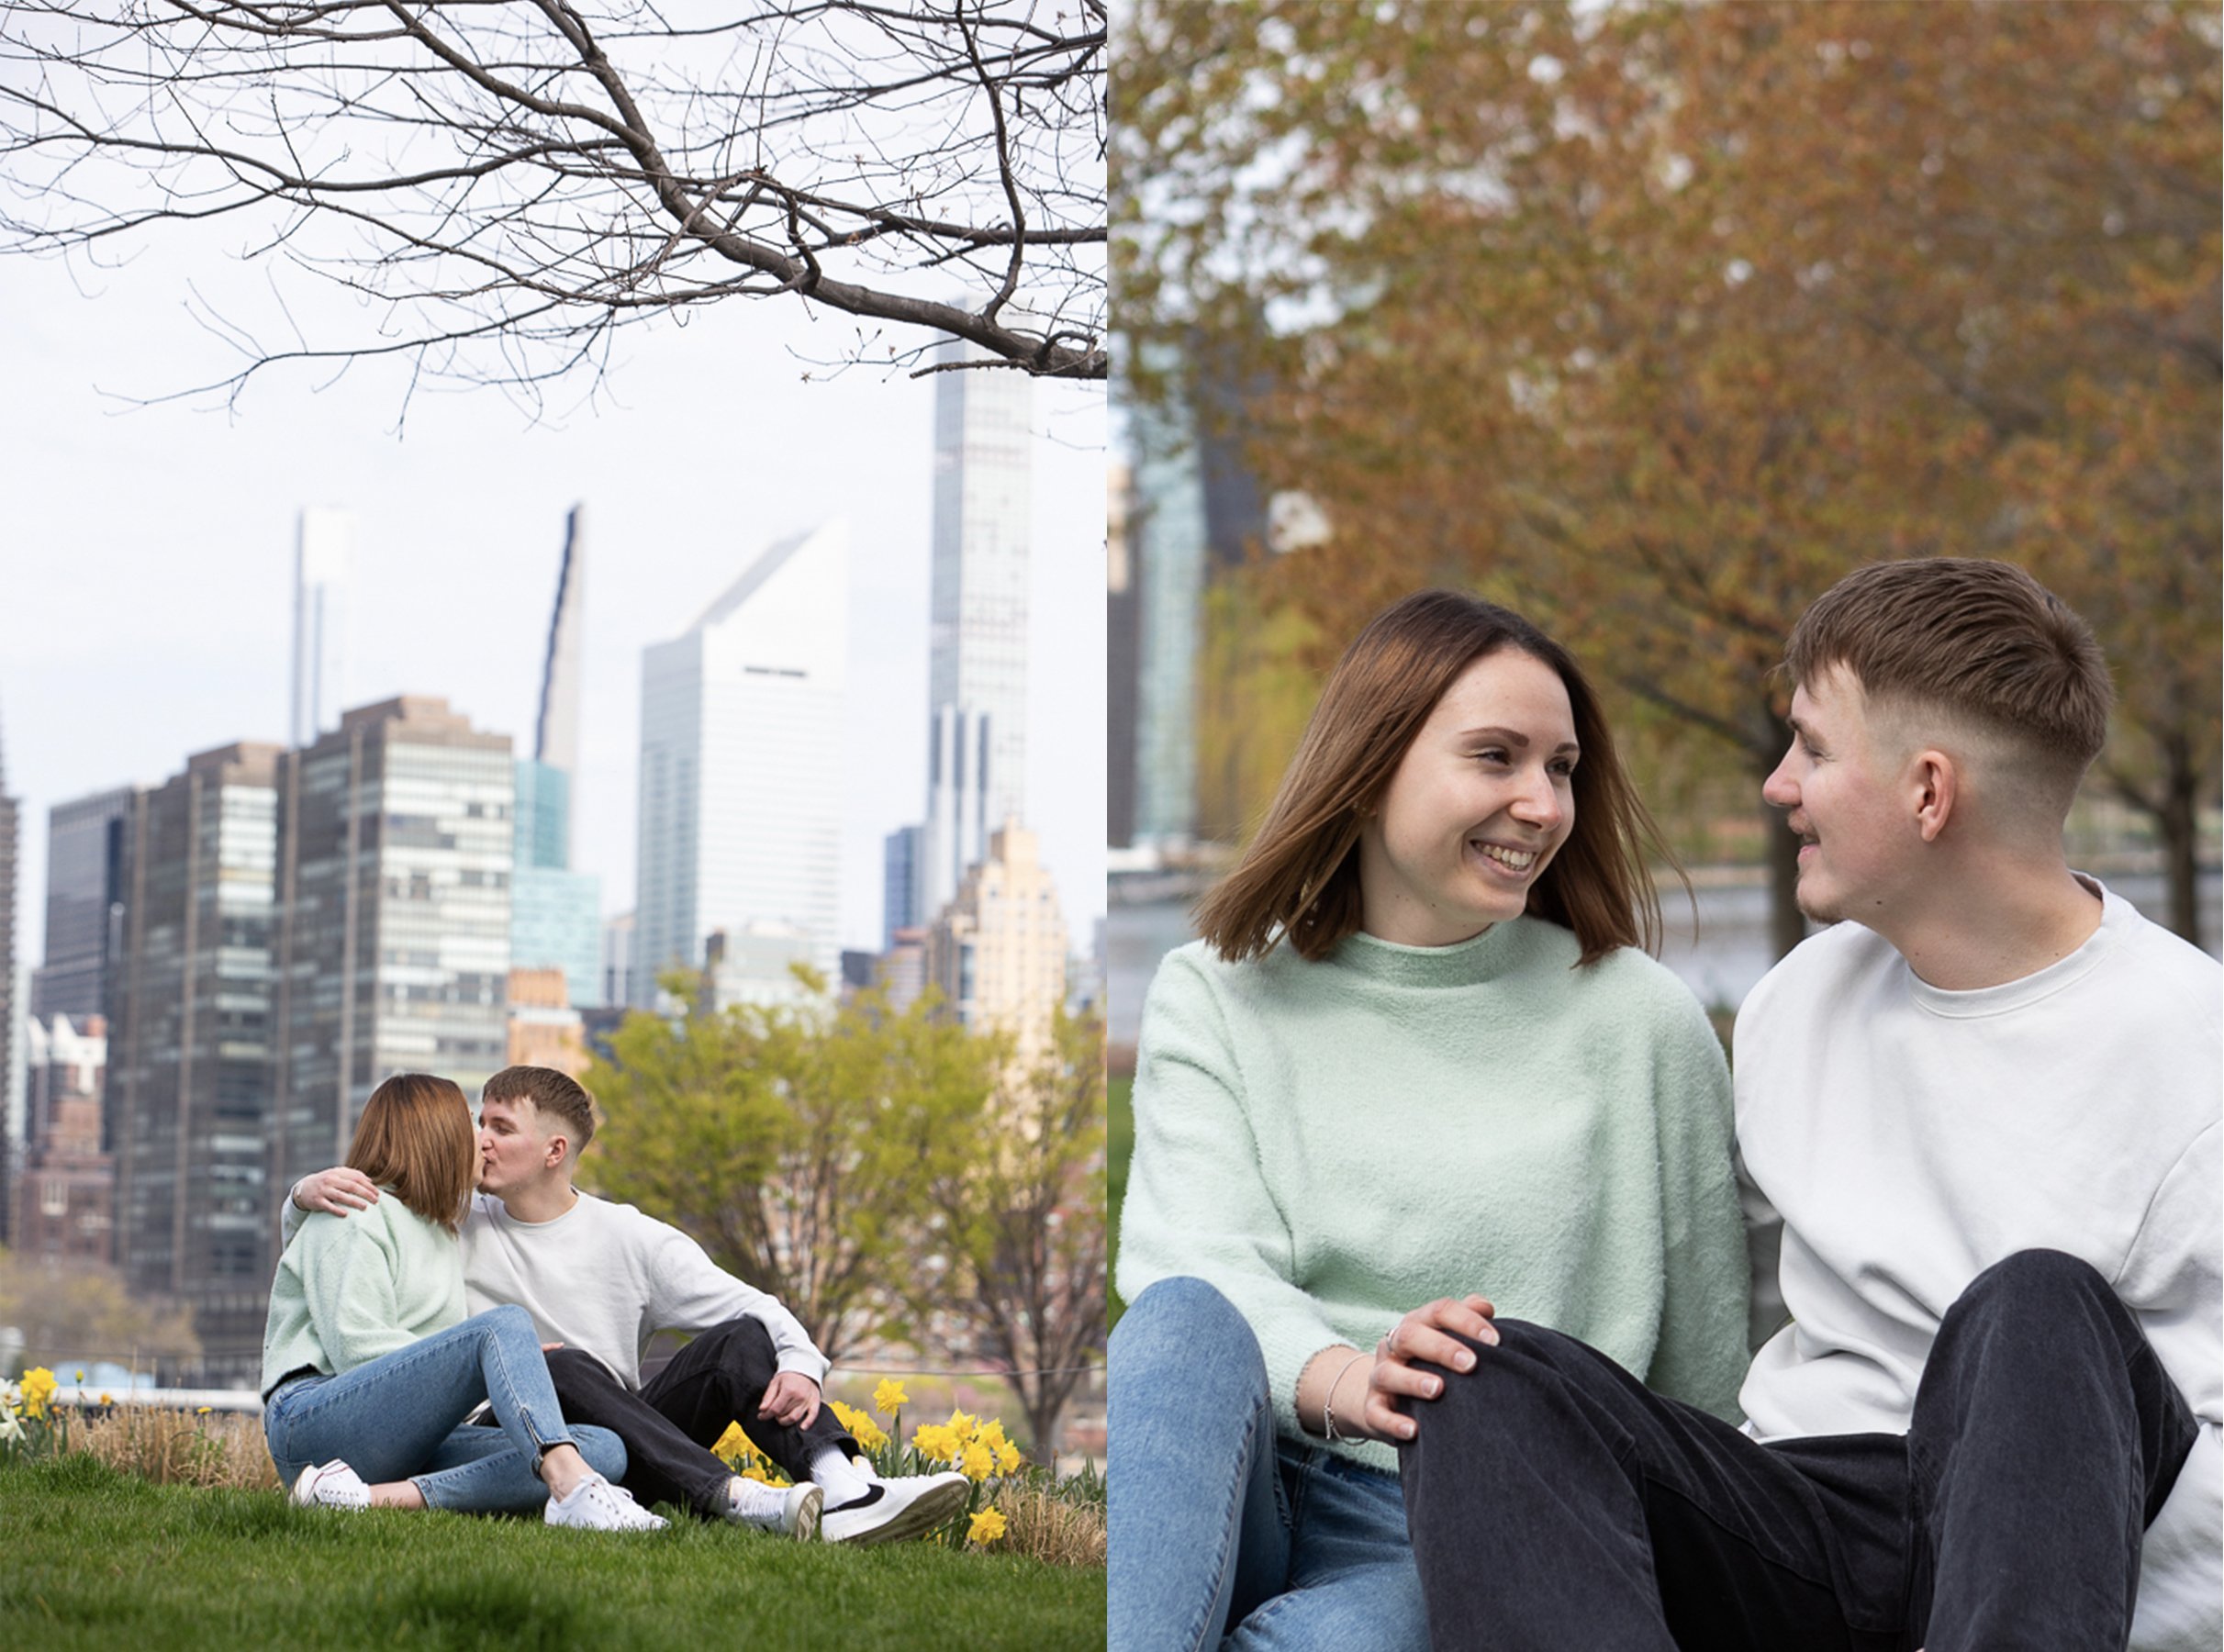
column 542, row 1200
column 1987, row 926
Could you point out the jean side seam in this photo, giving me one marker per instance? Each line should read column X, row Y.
column 1202, row 1634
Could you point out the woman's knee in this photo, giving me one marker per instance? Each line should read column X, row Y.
column 604, row 1451
column 1182, row 1330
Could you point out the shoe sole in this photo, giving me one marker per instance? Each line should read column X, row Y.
column 808, row 1513
column 921, row 1515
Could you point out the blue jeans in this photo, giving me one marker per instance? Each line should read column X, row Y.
column 1219, row 1528
column 402, row 1416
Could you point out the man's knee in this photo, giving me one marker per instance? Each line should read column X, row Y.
column 576, row 1371
column 2036, row 1282
column 743, row 1345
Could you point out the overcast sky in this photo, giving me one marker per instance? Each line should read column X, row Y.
column 146, row 570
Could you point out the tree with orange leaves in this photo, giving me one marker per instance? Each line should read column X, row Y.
column 1654, row 319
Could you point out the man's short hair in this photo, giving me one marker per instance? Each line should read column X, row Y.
column 1983, row 642
column 559, row 1095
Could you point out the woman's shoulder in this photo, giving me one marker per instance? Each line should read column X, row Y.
column 1634, row 982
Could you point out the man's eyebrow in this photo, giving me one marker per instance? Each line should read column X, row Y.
column 1800, row 728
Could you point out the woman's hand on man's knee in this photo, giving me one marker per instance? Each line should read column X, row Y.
column 1428, row 1335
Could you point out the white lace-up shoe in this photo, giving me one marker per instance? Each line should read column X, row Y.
column 595, row 1505
column 909, row 1506
column 792, row 1511
column 332, row 1485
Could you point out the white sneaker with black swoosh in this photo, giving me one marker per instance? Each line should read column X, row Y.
column 911, row 1505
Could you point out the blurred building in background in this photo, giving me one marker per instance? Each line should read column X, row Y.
column 740, row 764
column 324, row 557
column 84, row 903
column 394, row 880
column 976, row 635
column 190, row 1048
column 11, row 1010
column 556, row 912
column 998, row 951
column 545, row 1030
column 65, row 1199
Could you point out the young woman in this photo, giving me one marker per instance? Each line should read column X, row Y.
column 1418, row 1051
column 369, row 1366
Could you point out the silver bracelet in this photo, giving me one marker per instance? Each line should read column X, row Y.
column 1328, row 1401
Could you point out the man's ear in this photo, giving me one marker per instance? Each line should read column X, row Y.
column 553, row 1150
column 1935, row 782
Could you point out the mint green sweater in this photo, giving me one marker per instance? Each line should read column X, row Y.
column 1331, row 1144
column 350, row 1288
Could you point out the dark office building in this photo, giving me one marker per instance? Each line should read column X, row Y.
column 85, row 897
column 189, row 1057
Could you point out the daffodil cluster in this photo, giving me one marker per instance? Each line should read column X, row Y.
column 979, row 1450
column 30, row 1423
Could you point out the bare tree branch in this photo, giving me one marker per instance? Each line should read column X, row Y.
column 508, row 181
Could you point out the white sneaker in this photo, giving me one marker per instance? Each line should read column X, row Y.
column 595, row 1505
column 792, row 1511
column 909, row 1506
column 332, row 1485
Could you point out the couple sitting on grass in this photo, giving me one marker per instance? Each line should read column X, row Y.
column 371, row 1369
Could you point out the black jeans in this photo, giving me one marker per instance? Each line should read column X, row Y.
column 670, row 1425
column 1556, row 1502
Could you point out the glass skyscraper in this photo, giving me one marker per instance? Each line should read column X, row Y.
column 976, row 640
column 394, row 866
column 740, row 764
column 189, row 1055
column 84, row 898
column 555, row 914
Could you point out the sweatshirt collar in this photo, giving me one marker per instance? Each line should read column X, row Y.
column 2116, row 918
column 1462, row 964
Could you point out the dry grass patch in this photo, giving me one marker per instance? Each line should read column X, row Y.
column 179, row 1448
column 1048, row 1527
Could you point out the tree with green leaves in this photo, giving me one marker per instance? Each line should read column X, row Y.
column 1025, row 1219
column 803, row 1145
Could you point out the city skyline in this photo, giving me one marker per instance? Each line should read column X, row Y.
column 147, row 622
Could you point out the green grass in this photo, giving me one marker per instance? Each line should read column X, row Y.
column 97, row 1559
column 1120, row 1098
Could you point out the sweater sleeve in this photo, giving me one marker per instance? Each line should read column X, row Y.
column 1197, row 1198
column 2173, row 1279
column 347, row 1270
column 1701, row 1356
column 689, row 1292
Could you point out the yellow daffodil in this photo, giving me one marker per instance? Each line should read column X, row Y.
column 977, row 1461
column 986, row 1527
column 963, row 1424
column 107, row 1398
column 1008, row 1458
column 889, row 1398
column 38, row 1386
column 735, row 1448
column 935, row 1441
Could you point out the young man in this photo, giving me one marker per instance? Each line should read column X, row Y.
column 1979, row 1124
column 599, row 1279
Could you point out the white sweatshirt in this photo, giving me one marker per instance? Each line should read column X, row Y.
column 605, row 1277
column 1907, row 1138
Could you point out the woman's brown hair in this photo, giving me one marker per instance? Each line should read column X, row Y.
column 1299, row 879
column 416, row 1137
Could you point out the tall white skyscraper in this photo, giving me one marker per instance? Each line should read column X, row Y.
column 741, row 772
column 976, row 647
column 324, row 554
